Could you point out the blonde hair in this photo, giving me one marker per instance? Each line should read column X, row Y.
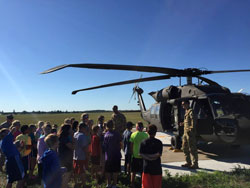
column 51, row 140
column 16, row 122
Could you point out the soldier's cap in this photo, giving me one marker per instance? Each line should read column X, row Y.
column 10, row 116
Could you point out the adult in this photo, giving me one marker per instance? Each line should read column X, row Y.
column 151, row 151
column 136, row 139
column 119, row 120
column 8, row 122
column 112, row 147
column 189, row 137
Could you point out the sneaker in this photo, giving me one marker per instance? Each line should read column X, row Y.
column 186, row 165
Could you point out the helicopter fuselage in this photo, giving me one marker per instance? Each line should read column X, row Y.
column 222, row 116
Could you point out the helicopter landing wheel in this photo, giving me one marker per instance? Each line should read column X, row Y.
column 176, row 142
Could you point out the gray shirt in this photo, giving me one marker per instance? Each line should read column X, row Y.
column 81, row 146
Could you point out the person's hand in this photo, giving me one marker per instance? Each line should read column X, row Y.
column 181, row 123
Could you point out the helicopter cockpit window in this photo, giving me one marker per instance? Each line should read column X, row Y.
column 229, row 104
column 202, row 109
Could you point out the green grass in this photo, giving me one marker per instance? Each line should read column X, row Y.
column 59, row 118
column 238, row 178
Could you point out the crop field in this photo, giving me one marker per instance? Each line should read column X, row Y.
column 59, row 117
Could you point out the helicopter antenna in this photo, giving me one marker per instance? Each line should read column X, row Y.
column 240, row 91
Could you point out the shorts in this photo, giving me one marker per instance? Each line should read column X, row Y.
column 149, row 181
column 14, row 169
column 137, row 165
column 79, row 166
column 95, row 160
column 113, row 166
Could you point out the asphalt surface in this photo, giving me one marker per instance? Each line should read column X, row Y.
column 212, row 157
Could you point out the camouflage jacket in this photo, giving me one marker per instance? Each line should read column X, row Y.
column 119, row 122
column 189, row 121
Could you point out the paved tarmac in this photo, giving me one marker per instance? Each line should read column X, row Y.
column 212, row 157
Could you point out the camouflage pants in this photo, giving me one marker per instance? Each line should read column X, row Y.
column 189, row 147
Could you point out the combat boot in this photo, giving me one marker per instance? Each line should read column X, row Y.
column 194, row 166
column 186, row 165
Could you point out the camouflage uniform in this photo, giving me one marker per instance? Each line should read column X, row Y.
column 119, row 122
column 188, row 139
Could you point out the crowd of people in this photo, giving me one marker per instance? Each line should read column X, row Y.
column 68, row 152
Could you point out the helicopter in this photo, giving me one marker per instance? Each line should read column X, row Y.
column 222, row 116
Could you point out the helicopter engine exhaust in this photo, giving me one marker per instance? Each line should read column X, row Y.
column 171, row 92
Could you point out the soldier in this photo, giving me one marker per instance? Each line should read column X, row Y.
column 119, row 120
column 188, row 139
column 8, row 122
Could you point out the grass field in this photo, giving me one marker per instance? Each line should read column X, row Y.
column 59, row 118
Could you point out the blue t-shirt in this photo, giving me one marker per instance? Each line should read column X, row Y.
column 126, row 143
column 112, row 147
column 52, row 173
column 81, row 145
column 8, row 148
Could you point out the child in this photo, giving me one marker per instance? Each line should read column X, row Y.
column 26, row 150
column 54, row 129
column 52, row 172
column 33, row 153
column 17, row 125
column 112, row 144
column 14, row 166
column 41, row 148
column 126, row 147
column 151, row 151
column 39, row 130
column 80, row 153
column 95, row 149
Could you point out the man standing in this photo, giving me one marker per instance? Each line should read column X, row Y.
column 188, row 139
column 8, row 122
column 119, row 120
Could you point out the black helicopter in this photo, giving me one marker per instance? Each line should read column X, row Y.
column 222, row 116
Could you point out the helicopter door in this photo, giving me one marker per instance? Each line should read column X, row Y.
column 204, row 117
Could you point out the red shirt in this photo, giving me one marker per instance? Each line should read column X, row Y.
column 15, row 134
column 95, row 147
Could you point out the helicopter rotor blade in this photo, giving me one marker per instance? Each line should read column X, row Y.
column 125, row 82
column 226, row 71
column 120, row 67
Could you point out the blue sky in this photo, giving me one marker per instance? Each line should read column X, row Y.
column 38, row 35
